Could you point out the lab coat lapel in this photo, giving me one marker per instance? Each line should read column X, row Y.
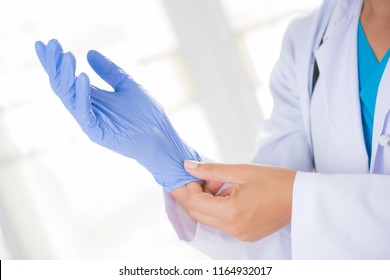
column 337, row 63
column 382, row 111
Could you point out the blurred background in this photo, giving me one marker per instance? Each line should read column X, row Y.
column 207, row 62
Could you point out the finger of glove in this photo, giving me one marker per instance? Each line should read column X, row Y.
column 66, row 80
column 40, row 49
column 109, row 71
column 54, row 55
column 84, row 114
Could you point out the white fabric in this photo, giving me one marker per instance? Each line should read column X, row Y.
column 341, row 206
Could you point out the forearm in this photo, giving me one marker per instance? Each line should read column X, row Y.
column 354, row 210
column 180, row 195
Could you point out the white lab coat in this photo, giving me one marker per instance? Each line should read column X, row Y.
column 341, row 207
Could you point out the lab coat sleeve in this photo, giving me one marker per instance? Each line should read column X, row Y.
column 341, row 216
column 220, row 245
column 283, row 142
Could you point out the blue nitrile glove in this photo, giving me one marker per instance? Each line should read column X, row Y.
column 128, row 121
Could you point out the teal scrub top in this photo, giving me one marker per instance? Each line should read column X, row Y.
column 370, row 75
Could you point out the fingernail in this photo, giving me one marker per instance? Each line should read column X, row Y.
column 191, row 164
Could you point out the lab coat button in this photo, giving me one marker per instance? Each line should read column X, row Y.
column 384, row 140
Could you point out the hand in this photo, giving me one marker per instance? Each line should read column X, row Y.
column 257, row 204
column 128, row 120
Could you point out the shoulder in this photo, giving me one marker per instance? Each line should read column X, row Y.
column 306, row 30
column 314, row 20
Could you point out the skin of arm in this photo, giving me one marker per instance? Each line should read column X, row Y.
column 180, row 195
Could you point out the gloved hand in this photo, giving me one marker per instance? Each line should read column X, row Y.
column 128, row 120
